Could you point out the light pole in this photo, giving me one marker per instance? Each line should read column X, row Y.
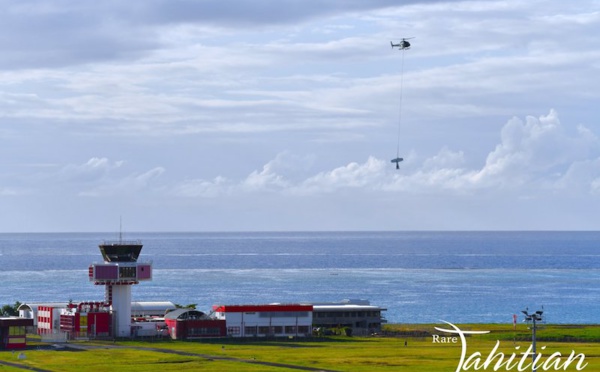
column 533, row 317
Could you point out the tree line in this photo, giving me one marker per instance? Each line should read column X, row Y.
column 10, row 310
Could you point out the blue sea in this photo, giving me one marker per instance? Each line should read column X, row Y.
column 420, row 277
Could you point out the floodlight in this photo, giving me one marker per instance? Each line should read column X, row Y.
column 535, row 317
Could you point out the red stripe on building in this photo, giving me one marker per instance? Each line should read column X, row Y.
column 260, row 308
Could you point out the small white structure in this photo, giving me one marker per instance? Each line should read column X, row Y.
column 150, row 328
column 275, row 320
column 155, row 308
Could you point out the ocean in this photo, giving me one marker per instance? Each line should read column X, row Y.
column 419, row 277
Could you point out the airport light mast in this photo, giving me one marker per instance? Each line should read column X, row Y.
column 534, row 318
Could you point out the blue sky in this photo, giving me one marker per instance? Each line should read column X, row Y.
column 284, row 115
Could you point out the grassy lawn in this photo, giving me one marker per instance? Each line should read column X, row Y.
column 410, row 348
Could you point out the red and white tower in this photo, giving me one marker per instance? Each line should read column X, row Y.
column 119, row 271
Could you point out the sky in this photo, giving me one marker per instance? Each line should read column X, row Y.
column 284, row 115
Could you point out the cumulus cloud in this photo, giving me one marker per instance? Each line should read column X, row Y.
column 354, row 175
column 94, row 169
column 266, row 179
column 581, row 178
column 446, row 158
column 199, row 188
column 534, row 149
column 100, row 176
column 276, row 175
column 127, row 185
column 230, row 85
column 532, row 154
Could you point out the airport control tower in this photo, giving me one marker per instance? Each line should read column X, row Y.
column 119, row 271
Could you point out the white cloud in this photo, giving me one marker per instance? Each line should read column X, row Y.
column 159, row 83
column 203, row 189
column 595, row 187
column 266, row 179
column 581, row 178
column 534, row 154
column 128, row 185
column 263, row 82
column 353, row 175
column 94, row 169
column 276, row 175
column 9, row 191
column 534, row 149
column 446, row 158
column 100, row 177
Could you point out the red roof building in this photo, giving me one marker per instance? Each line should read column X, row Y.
column 274, row 320
column 185, row 324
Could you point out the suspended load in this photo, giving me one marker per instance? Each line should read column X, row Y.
column 402, row 46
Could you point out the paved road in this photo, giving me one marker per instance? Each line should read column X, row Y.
column 21, row 366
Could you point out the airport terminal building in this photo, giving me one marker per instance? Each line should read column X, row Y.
column 358, row 315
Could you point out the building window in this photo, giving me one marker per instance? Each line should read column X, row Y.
column 250, row 331
column 278, row 330
column 263, row 330
column 16, row 331
column 203, row 331
column 127, row 272
column 233, row 330
column 290, row 330
column 303, row 330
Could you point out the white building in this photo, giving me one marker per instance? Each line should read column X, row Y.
column 359, row 316
column 275, row 320
column 46, row 316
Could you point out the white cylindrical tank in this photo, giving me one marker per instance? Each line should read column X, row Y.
column 121, row 307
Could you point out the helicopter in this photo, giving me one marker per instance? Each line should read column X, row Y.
column 402, row 45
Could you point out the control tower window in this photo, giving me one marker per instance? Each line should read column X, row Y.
column 127, row 272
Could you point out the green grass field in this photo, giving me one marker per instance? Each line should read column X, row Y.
column 410, row 348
